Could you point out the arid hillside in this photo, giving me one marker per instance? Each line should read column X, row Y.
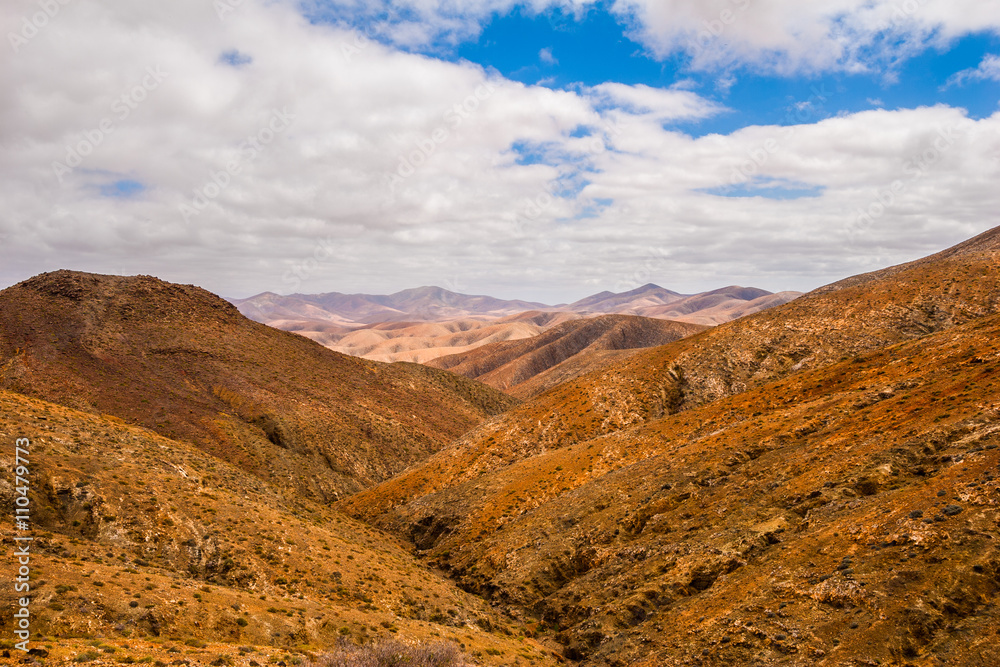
column 149, row 549
column 816, row 484
column 420, row 342
column 527, row 367
column 186, row 364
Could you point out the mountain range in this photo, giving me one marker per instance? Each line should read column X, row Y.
column 429, row 322
column 817, row 483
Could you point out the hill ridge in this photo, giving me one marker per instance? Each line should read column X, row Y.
column 185, row 363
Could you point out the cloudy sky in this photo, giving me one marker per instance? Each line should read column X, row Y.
column 543, row 150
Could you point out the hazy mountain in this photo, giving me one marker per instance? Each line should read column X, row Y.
column 423, row 304
column 610, row 302
column 396, row 327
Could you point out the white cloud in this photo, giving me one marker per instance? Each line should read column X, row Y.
column 988, row 70
column 789, row 35
column 397, row 169
column 657, row 103
column 546, row 57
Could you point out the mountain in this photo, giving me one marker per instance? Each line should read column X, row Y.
column 610, row 302
column 151, row 550
column 186, row 364
column 718, row 306
column 400, row 327
column 526, row 367
column 813, row 484
column 426, row 304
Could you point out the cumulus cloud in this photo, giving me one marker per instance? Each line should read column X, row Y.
column 656, row 103
column 546, row 57
column 788, row 36
column 988, row 70
column 261, row 151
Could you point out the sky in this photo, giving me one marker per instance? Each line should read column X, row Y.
column 541, row 150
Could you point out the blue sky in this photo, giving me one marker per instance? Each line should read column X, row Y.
column 545, row 150
column 559, row 49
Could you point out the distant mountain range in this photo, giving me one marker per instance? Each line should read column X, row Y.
column 429, row 322
column 422, row 304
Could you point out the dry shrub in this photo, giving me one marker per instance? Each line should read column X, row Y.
column 393, row 653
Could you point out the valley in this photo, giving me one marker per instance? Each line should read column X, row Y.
column 814, row 483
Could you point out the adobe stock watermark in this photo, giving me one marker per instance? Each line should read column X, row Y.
column 532, row 208
column 715, row 28
column 915, row 168
column 223, row 8
column 644, row 272
column 800, row 113
column 122, row 108
column 454, row 283
column 323, row 251
column 249, row 151
column 34, row 24
column 360, row 40
column 901, row 12
column 22, row 543
column 452, row 120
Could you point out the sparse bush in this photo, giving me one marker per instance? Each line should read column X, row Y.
column 87, row 656
column 392, row 653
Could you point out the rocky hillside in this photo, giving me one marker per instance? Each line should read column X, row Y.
column 527, row 367
column 816, row 484
column 186, row 364
column 149, row 549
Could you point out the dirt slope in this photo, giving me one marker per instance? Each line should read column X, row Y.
column 422, row 341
